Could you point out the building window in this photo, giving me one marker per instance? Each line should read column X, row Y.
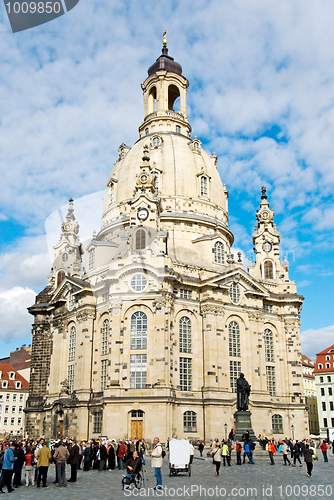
column 235, row 370
column 5, row 421
column 7, row 397
column 140, row 239
column 4, row 384
column 271, row 380
column 330, row 391
column 156, row 141
column 234, row 339
column 185, row 334
column 18, row 385
column 185, row 294
column 60, row 277
column 329, row 378
column 105, row 297
column 331, row 406
column 321, row 379
column 322, row 391
column 138, row 367
column 19, row 421
column 21, row 397
column 277, row 424
column 12, row 421
column 267, row 308
column 328, row 365
column 185, row 374
column 189, row 421
column 204, row 186
column 6, row 409
column 97, row 425
column 178, row 129
column 325, row 422
column 91, row 262
column 268, row 269
column 71, row 349
column 268, row 345
column 137, row 414
column 104, row 364
column 328, row 358
column 111, row 194
column 70, row 378
column 11, row 375
column 139, row 330
column 13, row 409
column 234, row 292
column 105, row 334
column 138, row 283
column 14, row 397
column 323, row 405
column 20, row 409
column 218, row 252
column 320, row 367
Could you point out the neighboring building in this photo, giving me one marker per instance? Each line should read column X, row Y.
column 20, row 359
column 324, row 382
column 14, row 391
column 310, row 394
column 151, row 338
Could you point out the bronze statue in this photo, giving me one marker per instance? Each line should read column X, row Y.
column 243, row 392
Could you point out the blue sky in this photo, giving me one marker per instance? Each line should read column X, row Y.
column 261, row 96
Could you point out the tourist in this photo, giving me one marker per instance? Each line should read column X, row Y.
column 225, row 454
column 156, row 462
column 308, row 452
column 238, row 449
column 217, row 457
column 285, row 450
column 7, row 469
column 43, row 462
column 73, row 460
column 324, row 450
column 29, row 460
column 200, row 448
column 271, row 451
column 61, row 455
column 296, row 452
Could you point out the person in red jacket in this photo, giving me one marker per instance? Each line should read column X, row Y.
column 324, row 450
column 121, row 453
column 238, row 449
column 29, row 459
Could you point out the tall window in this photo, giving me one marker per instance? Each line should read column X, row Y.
column 185, row 374
column 70, row 378
column 268, row 345
column 204, row 186
column 105, row 333
column 111, row 194
column 91, row 262
column 185, row 294
column 277, row 423
column 234, row 339
column 139, row 330
column 104, row 364
column 268, row 269
column 271, row 380
column 138, row 368
column 97, row 425
column 185, row 334
column 71, row 349
column 189, row 421
column 178, row 129
column 218, row 252
column 140, row 239
column 60, row 277
column 234, row 292
column 235, row 370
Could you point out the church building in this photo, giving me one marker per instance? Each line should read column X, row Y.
column 150, row 338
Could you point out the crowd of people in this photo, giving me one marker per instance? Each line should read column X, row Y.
column 129, row 456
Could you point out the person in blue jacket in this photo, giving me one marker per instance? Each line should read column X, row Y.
column 8, row 469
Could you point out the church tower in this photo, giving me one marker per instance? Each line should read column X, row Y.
column 164, row 320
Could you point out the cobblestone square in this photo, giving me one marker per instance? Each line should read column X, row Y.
column 260, row 480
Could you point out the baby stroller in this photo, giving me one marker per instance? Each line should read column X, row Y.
column 136, row 479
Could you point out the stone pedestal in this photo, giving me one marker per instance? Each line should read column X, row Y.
column 243, row 423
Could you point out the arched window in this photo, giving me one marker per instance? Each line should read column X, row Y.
column 139, row 330
column 268, row 345
column 146, row 131
column 140, row 239
column 204, row 186
column 71, row 348
column 277, row 423
column 328, row 365
column 60, row 277
column 105, row 333
column 268, row 270
column 189, row 421
column 185, row 334
column 178, row 129
column 173, row 94
column 234, row 339
column 111, row 193
column 152, row 100
column 91, row 262
column 320, row 366
column 218, row 252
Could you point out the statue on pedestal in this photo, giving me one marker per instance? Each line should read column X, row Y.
column 243, row 392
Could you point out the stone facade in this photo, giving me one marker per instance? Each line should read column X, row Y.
column 151, row 338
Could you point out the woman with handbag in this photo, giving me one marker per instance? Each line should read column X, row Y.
column 217, row 457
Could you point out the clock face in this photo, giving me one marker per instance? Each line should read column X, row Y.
column 143, row 178
column 265, row 215
column 266, row 246
column 142, row 214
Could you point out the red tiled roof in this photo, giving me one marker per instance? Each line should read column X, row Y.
column 325, row 351
column 5, row 369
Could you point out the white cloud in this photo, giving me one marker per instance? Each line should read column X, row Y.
column 15, row 320
column 314, row 341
